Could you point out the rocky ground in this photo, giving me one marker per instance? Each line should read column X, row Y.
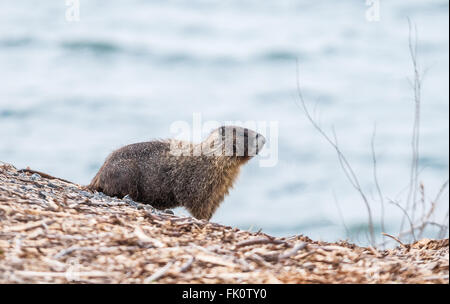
column 57, row 232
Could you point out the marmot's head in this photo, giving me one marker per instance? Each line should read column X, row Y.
column 233, row 141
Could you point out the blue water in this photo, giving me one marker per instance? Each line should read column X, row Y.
column 71, row 92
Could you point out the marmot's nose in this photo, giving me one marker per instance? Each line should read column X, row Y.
column 260, row 140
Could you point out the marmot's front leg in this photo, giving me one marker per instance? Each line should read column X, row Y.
column 203, row 210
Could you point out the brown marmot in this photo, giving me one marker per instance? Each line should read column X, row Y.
column 172, row 173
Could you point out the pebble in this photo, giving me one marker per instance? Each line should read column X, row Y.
column 137, row 205
column 52, row 185
column 99, row 195
column 35, row 177
column 134, row 204
column 87, row 194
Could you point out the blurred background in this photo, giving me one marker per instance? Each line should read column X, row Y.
column 72, row 92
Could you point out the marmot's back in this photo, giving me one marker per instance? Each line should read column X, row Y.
column 140, row 171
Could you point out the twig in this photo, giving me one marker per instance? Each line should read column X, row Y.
column 293, row 251
column 63, row 274
column 375, row 177
column 87, row 248
column 158, row 274
column 187, row 265
column 405, row 213
column 255, row 241
column 28, row 226
column 433, row 207
column 422, row 200
column 444, row 225
column 394, row 238
column 416, row 125
column 437, row 277
column 146, row 239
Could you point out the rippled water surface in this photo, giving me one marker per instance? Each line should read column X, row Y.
column 71, row 92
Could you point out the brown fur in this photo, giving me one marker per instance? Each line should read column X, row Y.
column 149, row 172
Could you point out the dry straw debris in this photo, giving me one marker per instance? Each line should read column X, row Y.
column 57, row 232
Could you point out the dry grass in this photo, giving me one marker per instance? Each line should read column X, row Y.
column 55, row 232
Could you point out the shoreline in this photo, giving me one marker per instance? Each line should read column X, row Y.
column 56, row 232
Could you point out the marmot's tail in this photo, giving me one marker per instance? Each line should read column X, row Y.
column 45, row 175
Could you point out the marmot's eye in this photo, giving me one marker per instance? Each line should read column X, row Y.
column 222, row 131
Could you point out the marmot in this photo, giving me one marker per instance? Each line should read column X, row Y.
column 172, row 173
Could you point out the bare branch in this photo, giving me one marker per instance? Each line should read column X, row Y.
column 416, row 125
column 375, row 176
column 405, row 213
column 347, row 231
column 445, row 225
column 425, row 220
column 345, row 165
